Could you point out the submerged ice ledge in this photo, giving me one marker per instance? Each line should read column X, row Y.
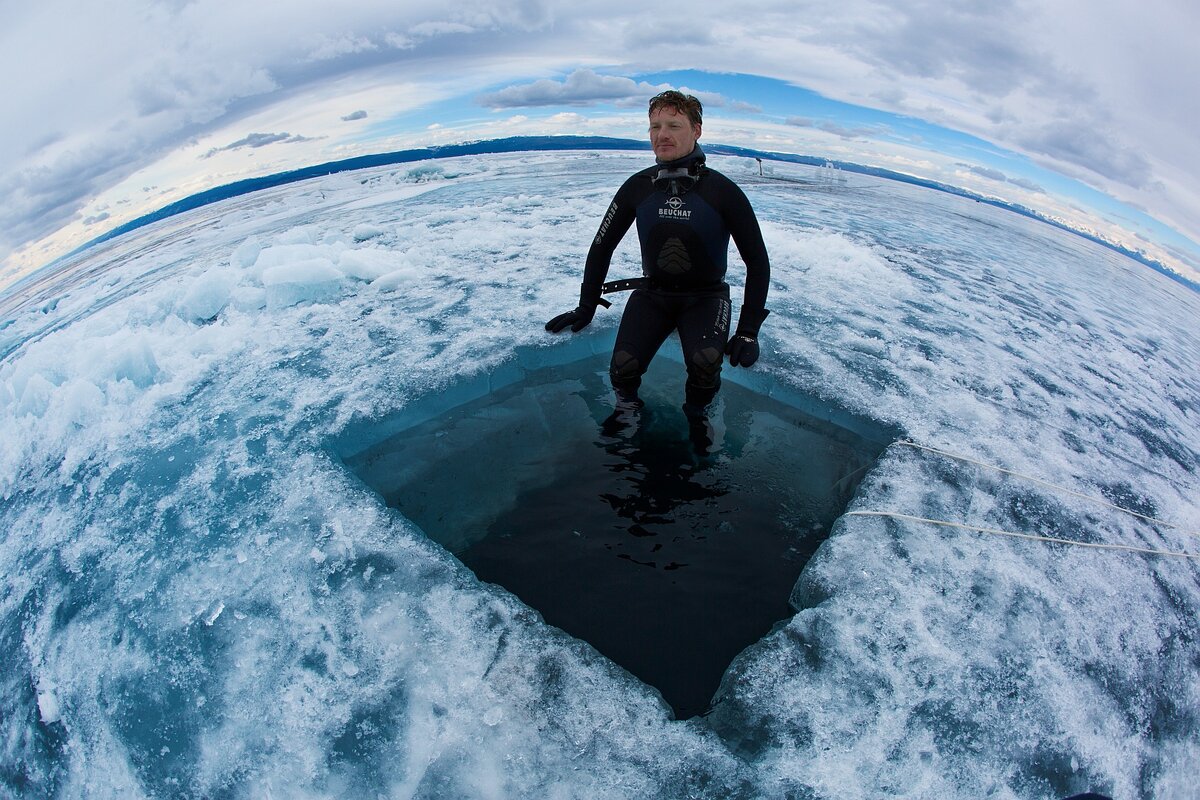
column 524, row 359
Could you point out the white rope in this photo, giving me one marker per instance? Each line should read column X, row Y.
column 996, row 532
column 1047, row 484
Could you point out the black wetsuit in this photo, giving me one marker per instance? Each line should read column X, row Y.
column 685, row 219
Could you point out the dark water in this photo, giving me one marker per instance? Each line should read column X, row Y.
column 667, row 552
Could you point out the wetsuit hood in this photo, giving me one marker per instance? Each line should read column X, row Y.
column 692, row 161
column 678, row 176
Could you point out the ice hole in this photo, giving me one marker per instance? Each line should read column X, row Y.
column 667, row 559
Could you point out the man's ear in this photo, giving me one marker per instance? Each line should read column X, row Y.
column 697, row 127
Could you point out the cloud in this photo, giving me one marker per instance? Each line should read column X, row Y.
column 255, row 140
column 1082, row 143
column 175, row 71
column 1053, row 80
column 582, row 87
column 331, row 47
column 1025, row 183
column 641, row 34
column 845, row 132
column 828, row 126
column 987, row 172
column 707, row 99
column 1000, row 177
column 42, row 198
column 974, row 43
column 355, row 115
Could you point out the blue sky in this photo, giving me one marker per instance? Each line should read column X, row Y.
column 1081, row 110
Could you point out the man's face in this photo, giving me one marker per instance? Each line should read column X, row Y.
column 672, row 135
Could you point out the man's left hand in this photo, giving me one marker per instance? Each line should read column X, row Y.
column 742, row 350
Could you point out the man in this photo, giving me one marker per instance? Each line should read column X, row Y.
column 685, row 216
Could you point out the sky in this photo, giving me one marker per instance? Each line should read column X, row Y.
column 1085, row 110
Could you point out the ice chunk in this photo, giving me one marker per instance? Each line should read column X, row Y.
column 312, row 281
column 393, row 280
column 364, row 232
column 48, row 706
column 426, row 173
column 207, row 295
column 214, row 610
column 134, row 361
column 246, row 253
column 248, row 298
column 35, row 396
column 279, row 255
column 368, row 265
column 300, row 235
column 81, row 400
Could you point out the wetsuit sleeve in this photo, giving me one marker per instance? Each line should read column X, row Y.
column 743, row 227
column 617, row 219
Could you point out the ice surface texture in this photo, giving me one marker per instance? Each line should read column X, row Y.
column 200, row 601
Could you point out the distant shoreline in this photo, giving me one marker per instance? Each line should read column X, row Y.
column 519, row 144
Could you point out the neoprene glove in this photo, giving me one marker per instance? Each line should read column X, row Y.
column 577, row 319
column 589, row 298
column 743, row 346
column 742, row 350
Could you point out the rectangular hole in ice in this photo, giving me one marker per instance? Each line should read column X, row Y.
column 667, row 559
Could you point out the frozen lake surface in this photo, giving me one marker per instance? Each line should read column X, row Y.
column 200, row 600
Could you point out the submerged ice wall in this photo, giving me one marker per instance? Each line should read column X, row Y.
column 200, row 602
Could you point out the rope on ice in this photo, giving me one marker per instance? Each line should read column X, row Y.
column 1040, row 482
column 1030, row 536
column 1034, row 537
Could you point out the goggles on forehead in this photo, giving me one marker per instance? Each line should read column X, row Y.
column 675, row 181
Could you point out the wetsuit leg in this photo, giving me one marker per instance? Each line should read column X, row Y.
column 645, row 325
column 703, row 333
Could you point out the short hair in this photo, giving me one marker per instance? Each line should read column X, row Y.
column 680, row 102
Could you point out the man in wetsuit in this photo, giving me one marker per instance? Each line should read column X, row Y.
column 685, row 215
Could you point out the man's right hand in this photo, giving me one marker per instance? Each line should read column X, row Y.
column 577, row 319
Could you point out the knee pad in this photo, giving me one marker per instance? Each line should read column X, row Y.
column 624, row 368
column 704, row 369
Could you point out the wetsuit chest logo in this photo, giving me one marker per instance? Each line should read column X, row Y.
column 674, row 210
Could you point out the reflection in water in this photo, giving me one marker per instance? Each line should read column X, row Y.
column 668, row 549
column 656, row 486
